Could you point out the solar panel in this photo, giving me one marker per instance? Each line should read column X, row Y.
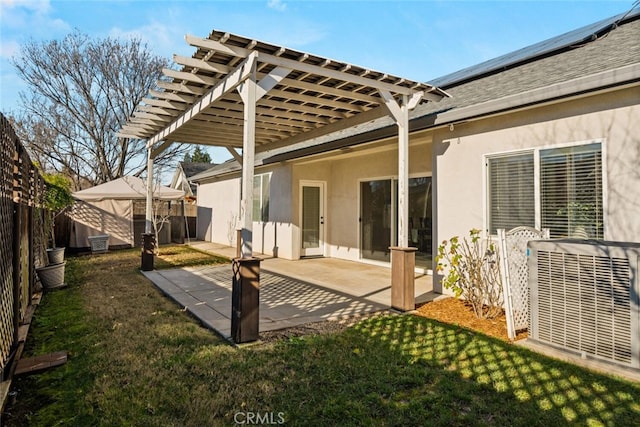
column 572, row 38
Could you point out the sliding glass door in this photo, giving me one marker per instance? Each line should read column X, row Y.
column 376, row 222
column 378, row 219
column 420, row 215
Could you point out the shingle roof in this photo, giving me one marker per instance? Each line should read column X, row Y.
column 618, row 47
column 553, row 46
column 192, row 168
column 615, row 44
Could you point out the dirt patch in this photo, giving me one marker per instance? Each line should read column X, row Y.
column 457, row 312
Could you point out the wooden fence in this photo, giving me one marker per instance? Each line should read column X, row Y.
column 22, row 239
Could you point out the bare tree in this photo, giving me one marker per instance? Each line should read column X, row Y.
column 81, row 91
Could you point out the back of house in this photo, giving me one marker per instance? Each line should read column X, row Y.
column 547, row 136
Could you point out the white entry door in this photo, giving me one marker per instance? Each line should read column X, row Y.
column 312, row 218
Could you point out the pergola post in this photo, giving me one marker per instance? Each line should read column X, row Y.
column 402, row 256
column 148, row 225
column 245, row 298
column 403, row 174
column 148, row 238
column 248, row 94
column 245, row 293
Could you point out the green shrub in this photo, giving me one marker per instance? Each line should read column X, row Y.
column 472, row 272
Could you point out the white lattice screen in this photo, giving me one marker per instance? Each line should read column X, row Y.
column 513, row 263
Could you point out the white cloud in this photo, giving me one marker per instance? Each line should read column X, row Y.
column 164, row 40
column 41, row 7
column 277, row 5
column 30, row 18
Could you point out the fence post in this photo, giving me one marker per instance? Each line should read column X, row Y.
column 17, row 274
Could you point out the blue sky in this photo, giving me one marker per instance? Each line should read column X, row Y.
column 420, row 40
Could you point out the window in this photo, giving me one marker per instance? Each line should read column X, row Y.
column 261, row 184
column 571, row 191
column 569, row 194
column 511, row 191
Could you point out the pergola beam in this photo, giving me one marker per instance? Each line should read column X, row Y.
column 158, row 110
column 300, row 108
column 265, row 115
column 152, row 116
column 148, row 122
column 354, row 120
column 163, row 102
column 217, row 46
column 333, row 74
column 234, row 153
column 186, row 99
column 201, row 64
column 182, row 88
column 189, row 77
column 226, row 85
column 285, row 94
column 327, row 90
column 297, row 65
column 143, row 125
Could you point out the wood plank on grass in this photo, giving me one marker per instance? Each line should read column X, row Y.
column 41, row 363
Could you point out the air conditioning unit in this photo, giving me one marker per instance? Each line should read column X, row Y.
column 584, row 298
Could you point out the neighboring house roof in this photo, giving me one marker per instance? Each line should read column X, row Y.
column 184, row 171
column 603, row 54
column 192, row 168
column 126, row 188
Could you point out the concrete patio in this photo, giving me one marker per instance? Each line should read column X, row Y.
column 291, row 292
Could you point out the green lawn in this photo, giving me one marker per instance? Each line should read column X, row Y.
column 135, row 358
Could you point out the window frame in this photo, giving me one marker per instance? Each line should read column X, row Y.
column 537, row 179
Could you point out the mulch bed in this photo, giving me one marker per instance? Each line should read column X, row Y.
column 457, row 312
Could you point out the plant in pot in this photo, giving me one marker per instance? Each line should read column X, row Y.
column 57, row 199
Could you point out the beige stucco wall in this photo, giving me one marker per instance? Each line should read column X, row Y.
column 342, row 175
column 457, row 160
column 612, row 118
column 222, row 197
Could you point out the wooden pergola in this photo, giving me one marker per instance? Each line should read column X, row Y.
column 238, row 92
